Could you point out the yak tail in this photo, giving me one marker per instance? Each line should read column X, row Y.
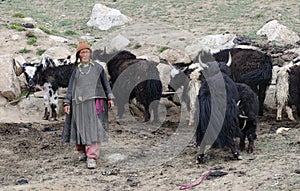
column 203, row 113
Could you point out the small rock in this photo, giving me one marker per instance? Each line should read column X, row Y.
column 297, row 171
column 28, row 25
column 282, row 130
column 132, row 182
column 48, row 128
column 216, row 174
column 22, row 181
column 27, row 125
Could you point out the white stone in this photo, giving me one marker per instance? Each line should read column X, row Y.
column 58, row 38
column 119, row 42
column 212, row 43
column 278, row 32
column 9, row 84
column 104, row 18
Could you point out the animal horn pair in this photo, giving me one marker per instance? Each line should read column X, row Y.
column 240, row 115
column 228, row 62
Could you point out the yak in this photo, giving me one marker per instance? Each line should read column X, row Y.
column 50, row 78
column 287, row 90
column 216, row 116
column 135, row 81
column 247, row 115
column 251, row 67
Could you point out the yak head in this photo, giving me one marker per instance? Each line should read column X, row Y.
column 32, row 74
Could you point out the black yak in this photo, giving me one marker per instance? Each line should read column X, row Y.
column 248, row 112
column 251, row 67
column 217, row 114
column 133, row 80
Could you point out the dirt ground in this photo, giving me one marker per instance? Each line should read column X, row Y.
column 139, row 156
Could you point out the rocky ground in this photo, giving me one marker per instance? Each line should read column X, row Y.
column 143, row 156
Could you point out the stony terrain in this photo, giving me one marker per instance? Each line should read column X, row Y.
column 138, row 156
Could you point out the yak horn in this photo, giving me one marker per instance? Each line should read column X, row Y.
column 173, row 67
column 229, row 60
column 243, row 116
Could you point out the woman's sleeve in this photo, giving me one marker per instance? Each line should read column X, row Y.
column 106, row 86
column 68, row 98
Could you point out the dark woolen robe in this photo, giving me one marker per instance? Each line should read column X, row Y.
column 87, row 94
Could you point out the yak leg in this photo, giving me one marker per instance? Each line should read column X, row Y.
column 231, row 145
column 46, row 114
column 279, row 112
column 261, row 98
column 121, row 109
column 53, row 104
column 147, row 114
column 46, row 104
column 242, row 142
column 154, row 107
column 251, row 137
column 289, row 112
column 200, row 158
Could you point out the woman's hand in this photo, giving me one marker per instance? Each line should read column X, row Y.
column 110, row 104
column 67, row 109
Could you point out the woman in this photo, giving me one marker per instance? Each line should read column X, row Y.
column 86, row 104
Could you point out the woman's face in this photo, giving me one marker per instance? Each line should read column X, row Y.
column 85, row 56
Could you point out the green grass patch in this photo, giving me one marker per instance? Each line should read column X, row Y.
column 45, row 30
column 70, row 33
column 31, row 40
column 24, row 51
column 137, row 45
column 40, row 52
column 163, row 48
column 19, row 15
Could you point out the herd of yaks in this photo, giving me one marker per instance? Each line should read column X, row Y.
column 224, row 91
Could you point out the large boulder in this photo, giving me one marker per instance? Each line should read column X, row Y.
column 278, row 32
column 104, row 18
column 9, row 83
column 212, row 43
column 175, row 56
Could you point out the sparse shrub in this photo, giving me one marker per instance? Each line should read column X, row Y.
column 24, row 51
column 137, row 45
column 17, row 26
column 40, row 52
column 45, row 30
column 259, row 15
column 31, row 40
column 163, row 48
column 70, row 32
column 19, row 15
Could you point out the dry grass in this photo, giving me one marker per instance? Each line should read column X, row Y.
column 200, row 17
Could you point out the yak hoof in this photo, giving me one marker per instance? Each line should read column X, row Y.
column 200, row 159
column 237, row 156
column 250, row 149
column 53, row 119
column 46, row 117
column 242, row 146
